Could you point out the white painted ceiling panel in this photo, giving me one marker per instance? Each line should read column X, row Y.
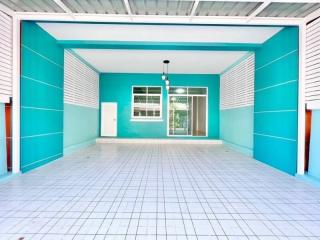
column 299, row 10
column 150, row 61
column 96, row 6
column 211, row 8
column 161, row 7
column 32, row 6
column 159, row 33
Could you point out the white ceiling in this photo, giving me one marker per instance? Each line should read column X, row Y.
column 150, row 61
column 159, row 33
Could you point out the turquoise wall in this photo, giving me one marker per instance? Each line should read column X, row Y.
column 41, row 97
column 314, row 157
column 3, row 150
column 276, row 101
column 117, row 87
column 81, row 125
column 236, row 128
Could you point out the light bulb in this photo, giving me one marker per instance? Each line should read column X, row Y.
column 167, row 82
column 167, row 87
column 163, row 77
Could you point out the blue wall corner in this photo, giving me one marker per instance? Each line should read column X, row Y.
column 41, row 97
column 276, row 101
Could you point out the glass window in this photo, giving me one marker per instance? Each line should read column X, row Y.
column 147, row 102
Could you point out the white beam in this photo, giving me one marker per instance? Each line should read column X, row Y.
column 16, row 95
column 194, row 8
column 121, row 18
column 301, row 100
column 127, row 5
column 64, row 7
column 259, row 9
column 6, row 10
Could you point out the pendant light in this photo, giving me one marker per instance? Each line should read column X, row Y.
column 165, row 72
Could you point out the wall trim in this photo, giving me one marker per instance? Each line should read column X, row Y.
column 240, row 148
column 158, row 141
column 73, row 148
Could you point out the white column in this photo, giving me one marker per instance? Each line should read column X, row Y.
column 16, row 96
column 301, row 100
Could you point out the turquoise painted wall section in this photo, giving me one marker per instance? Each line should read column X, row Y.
column 117, row 87
column 81, row 125
column 236, row 128
column 276, row 101
column 3, row 150
column 314, row 157
column 41, row 97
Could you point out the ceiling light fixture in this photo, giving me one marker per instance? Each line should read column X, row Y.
column 165, row 72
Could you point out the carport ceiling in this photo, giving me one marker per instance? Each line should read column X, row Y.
column 244, row 10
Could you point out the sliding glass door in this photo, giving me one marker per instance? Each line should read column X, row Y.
column 187, row 110
column 180, row 115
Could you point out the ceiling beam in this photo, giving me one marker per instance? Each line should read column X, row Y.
column 124, row 18
column 259, row 9
column 194, row 7
column 64, row 7
column 127, row 5
column 6, row 10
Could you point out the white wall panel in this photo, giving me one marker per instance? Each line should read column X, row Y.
column 237, row 85
column 81, row 83
column 5, row 57
column 313, row 65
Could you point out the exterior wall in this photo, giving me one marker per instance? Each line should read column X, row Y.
column 276, row 101
column 41, row 97
column 118, row 88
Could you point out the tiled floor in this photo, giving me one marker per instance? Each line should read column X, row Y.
column 158, row 191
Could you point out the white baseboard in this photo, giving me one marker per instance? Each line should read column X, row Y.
column 158, row 141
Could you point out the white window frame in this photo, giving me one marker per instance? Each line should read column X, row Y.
column 187, row 95
column 145, row 118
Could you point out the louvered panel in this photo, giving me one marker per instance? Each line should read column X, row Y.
column 237, row 85
column 161, row 7
column 32, row 6
column 294, row 10
column 212, row 8
column 81, row 84
column 312, row 87
column 96, row 6
column 5, row 57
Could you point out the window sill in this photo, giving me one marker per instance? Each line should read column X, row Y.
column 145, row 120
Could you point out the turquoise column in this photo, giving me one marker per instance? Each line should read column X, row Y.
column 3, row 151
column 314, row 157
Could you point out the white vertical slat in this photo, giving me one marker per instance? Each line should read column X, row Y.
column 5, row 57
column 237, row 85
column 81, row 83
column 312, row 88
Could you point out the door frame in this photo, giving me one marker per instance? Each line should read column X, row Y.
column 110, row 103
column 187, row 95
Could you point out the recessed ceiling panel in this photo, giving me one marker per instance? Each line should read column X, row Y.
column 150, row 61
column 159, row 33
column 96, row 6
column 32, row 6
column 293, row 10
column 161, row 7
column 217, row 8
